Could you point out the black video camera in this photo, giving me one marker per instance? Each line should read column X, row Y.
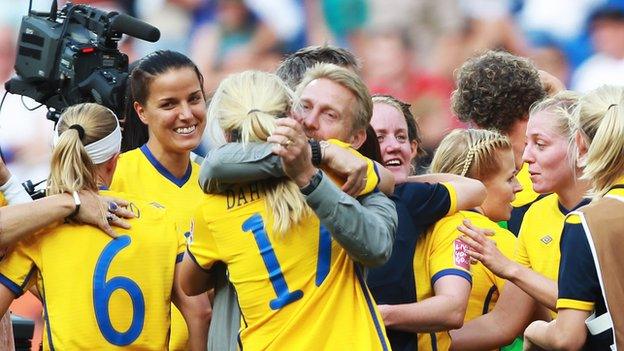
column 70, row 56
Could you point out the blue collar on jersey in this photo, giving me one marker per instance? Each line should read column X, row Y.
column 165, row 172
column 565, row 211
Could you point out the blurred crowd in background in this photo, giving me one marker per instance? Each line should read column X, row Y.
column 408, row 48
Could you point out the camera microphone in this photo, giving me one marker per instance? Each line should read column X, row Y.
column 135, row 27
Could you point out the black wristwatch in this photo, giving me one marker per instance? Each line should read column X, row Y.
column 314, row 183
column 317, row 155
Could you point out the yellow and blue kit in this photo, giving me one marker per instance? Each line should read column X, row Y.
column 438, row 254
column 538, row 245
column 298, row 290
column 140, row 174
column 579, row 285
column 372, row 175
column 101, row 293
column 418, row 206
column 486, row 286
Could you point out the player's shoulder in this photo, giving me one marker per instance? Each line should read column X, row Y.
column 130, row 156
column 129, row 163
column 450, row 221
column 543, row 203
column 140, row 206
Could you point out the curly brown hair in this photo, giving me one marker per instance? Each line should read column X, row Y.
column 496, row 89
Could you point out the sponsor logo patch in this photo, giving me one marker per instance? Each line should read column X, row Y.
column 547, row 239
column 461, row 255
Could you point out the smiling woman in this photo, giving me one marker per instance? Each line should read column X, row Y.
column 167, row 96
column 424, row 286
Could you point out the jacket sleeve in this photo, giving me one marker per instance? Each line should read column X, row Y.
column 365, row 228
column 232, row 163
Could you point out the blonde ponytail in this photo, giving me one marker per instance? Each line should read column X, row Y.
column 599, row 118
column 71, row 167
column 245, row 106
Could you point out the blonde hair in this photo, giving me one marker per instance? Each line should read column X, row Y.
column 599, row 118
column 71, row 167
column 470, row 152
column 362, row 109
column 561, row 106
column 246, row 105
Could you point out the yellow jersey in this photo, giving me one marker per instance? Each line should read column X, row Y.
column 140, row 174
column 101, row 293
column 299, row 290
column 538, row 245
column 439, row 253
column 372, row 174
column 486, row 286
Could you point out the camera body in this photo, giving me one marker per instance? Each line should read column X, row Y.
column 70, row 56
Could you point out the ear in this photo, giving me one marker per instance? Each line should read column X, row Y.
column 581, row 146
column 112, row 163
column 414, row 148
column 140, row 111
column 358, row 138
column 106, row 170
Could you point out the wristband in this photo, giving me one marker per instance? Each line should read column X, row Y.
column 77, row 208
column 317, row 156
column 314, row 183
column 14, row 192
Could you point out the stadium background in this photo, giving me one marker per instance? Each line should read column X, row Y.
column 408, row 48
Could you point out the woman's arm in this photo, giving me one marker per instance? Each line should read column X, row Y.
column 192, row 279
column 6, row 297
column 444, row 311
column 19, row 221
column 470, row 192
column 567, row 332
column 196, row 311
column 511, row 314
column 484, row 249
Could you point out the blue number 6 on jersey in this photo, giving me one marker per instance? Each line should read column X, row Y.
column 102, row 291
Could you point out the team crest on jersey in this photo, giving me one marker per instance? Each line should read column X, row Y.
column 461, row 255
column 546, row 239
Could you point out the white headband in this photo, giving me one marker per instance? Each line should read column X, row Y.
column 101, row 150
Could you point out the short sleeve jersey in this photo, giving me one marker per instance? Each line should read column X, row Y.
column 438, row 254
column 299, row 288
column 579, row 286
column 101, row 293
column 540, row 236
column 372, row 176
column 419, row 205
column 486, row 286
column 139, row 173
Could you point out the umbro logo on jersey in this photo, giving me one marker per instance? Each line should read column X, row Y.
column 547, row 239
